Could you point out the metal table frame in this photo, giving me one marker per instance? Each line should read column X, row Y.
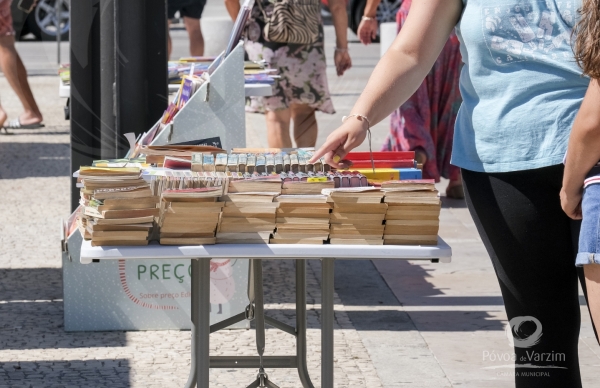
column 201, row 361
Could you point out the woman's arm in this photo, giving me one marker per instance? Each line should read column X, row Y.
column 367, row 29
column 340, row 23
column 583, row 152
column 398, row 74
column 233, row 8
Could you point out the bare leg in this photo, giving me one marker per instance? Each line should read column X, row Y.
column 3, row 117
column 278, row 128
column 15, row 73
column 592, row 282
column 305, row 125
column 195, row 33
column 169, row 43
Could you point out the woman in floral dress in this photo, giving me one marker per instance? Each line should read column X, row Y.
column 425, row 123
column 302, row 87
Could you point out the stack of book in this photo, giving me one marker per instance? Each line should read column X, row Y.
column 302, row 219
column 118, row 207
column 249, row 213
column 190, row 216
column 413, row 214
column 357, row 217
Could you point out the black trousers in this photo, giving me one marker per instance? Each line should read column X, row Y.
column 532, row 244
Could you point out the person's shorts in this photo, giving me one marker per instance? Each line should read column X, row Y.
column 187, row 8
column 589, row 237
column 6, row 21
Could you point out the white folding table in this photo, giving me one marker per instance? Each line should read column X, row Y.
column 200, row 278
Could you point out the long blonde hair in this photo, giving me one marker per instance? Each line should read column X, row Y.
column 587, row 41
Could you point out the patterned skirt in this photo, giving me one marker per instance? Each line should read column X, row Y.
column 426, row 120
column 302, row 68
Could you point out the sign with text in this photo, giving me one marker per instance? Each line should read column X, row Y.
column 145, row 294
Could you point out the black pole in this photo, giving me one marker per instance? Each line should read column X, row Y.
column 141, row 76
column 157, row 59
column 107, row 67
column 85, row 88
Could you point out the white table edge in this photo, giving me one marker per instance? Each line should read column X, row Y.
column 442, row 251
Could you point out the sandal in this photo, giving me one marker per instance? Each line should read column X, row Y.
column 16, row 124
column 455, row 192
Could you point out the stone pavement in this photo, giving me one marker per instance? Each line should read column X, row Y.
column 400, row 324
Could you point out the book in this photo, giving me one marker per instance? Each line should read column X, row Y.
column 91, row 227
column 311, row 241
column 123, row 221
column 116, row 243
column 305, row 212
column 411, row 240
column 247, row 197
column 291, row 188
column 413, row 200
column 128, row 213
column 345, row 218
column 245, row 228
column 189, row 228
column 120, row 235
column 269, row 184
column 410, row 185
column 191, row 195
column 301, row 199
column 187, row 240
column 301, row 220
column 360, row 208
column 135, row 193
column 355, row 241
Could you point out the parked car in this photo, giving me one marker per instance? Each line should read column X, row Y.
column 42, row 22
column 386, row 12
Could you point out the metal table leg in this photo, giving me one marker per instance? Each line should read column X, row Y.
column 301, row 324
column 191, row 383
column 200, row 323
column 327, row 317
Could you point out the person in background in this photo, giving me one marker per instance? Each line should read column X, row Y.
column 580, row 194
column 302, row 88
column 425, row 123
column 191, row 12
column 16, row 74
column 368, row 27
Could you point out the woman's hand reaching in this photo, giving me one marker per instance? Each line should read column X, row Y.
column 341, row 141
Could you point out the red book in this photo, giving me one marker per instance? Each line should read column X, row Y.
column 381, row 155
column 406, row 163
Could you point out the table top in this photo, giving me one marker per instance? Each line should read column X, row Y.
column 442, row 251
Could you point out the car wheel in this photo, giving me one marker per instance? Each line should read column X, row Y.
column 386, row 12
column 44, row 21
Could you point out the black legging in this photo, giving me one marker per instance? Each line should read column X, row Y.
column 532, row 244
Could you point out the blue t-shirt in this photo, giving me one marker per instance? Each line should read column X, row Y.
column 520, row 84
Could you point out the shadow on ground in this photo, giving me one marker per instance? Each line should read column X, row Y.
column 27, row 160
column 91, row 373
column 31, row 308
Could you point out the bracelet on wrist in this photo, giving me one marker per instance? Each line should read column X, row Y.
column 341, row 49
column 364, row 119
column 367, row 18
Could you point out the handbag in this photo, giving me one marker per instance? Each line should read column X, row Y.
column 293, row 21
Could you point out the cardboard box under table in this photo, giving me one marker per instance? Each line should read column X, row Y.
column 200, row 277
